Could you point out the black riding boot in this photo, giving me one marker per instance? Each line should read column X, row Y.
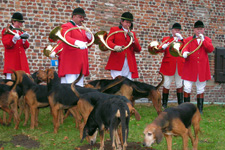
column 165, row 97
column 187, row 97
column 165, row 100
column 200, row 102
column 180, row 98
column 180, row 95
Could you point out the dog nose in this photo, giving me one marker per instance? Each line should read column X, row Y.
column 144, row 144
column 92, row 142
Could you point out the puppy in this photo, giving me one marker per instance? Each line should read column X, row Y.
column 175, row 121
column 108, row 115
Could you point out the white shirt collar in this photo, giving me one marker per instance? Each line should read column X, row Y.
column 124, row 29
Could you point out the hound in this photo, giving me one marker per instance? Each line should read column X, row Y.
column 175, row 121
column 132, row 90
column 108, row 115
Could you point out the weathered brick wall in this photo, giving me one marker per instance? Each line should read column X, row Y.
column 153, row 19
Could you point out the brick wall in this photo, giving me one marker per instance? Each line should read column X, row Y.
column 153, row 19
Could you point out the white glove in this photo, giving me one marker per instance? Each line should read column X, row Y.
column 118, row 48
column 154, row 44
column 25, row 35
column 88, row 34
column 15, row 38
column 80, row 44
column 177, row 46
column 130, row 34
column 165, row 45
column 185, row 54
column 201, row 36
column 52, row 55
column 178, row 35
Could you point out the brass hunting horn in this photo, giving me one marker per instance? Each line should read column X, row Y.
column 155, row 46
column 175, row 48
column 55, row 35
column 9, row 30
column 101, row 39
column 49, row 49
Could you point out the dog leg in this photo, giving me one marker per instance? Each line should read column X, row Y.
column 66, row 115
column 21, row 105
column 16, row 117
column 113, row 139
column 118, row 138
column 156, row 101
column 26, row 113
column 78, row 118
column 185, row 140
column 4, row 117
column 61, row 116
column 180, row 129
column 191, row 136
column 168, row 141
column 36, row 117
column 55, row 114
column 32, row 115
column 10, row 112
column 1, row 121
column 102, row 136
column 125, row 142
column 196, row 124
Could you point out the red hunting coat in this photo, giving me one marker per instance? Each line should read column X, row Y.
column 72, row 60
column 116, row 59
column 169, row 62
column 198, row 62
column 15, row 56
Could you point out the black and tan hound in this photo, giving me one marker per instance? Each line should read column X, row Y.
column 108, row 115
column 9, row 101
column 35, row 96
column 132, row 90
column 174, row 121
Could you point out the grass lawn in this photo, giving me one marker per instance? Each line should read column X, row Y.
column 212, row 134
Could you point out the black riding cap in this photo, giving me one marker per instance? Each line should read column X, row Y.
column 127, row 16
column 79, row 11
column 17, row 17
column 176, row 26
column 199, row 24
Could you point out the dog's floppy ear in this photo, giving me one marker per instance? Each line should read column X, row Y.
column 85, row 132
column 158, row 135
column 136, row 114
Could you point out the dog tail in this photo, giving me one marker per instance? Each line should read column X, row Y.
column 138, row 89
column 157, row 87
column 73, row 85
column 118, row 81
column 13, row 87
column 123, row 115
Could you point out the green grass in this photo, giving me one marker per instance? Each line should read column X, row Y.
column 212, row 134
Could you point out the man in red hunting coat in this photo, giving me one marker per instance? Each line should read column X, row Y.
column 15, row 45
column 172, row 66
column 196, row 68
column 123, row 63
column 73, row 60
